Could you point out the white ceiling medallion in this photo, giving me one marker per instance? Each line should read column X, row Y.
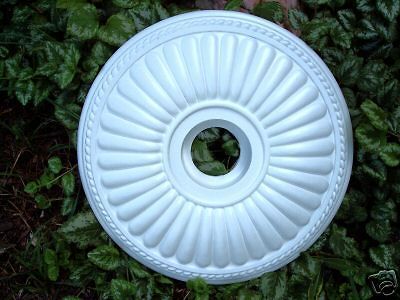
column 215, row 69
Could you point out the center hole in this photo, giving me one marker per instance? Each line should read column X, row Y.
column 215, row 151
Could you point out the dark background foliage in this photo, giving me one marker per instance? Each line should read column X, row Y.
column 52, row 247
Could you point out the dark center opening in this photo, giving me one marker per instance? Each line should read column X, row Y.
column 215, row 151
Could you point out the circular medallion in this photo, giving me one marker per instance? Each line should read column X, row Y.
column 215, row 69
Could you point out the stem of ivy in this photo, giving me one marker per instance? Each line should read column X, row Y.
column 58, row 177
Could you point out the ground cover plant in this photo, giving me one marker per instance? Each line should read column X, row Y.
column 51, row 246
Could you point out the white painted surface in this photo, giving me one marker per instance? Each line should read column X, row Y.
column 215, row 69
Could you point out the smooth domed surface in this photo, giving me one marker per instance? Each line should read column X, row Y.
column 215, row 69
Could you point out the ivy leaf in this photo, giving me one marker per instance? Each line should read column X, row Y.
column 297, row 18
column 68, row 115
column 48, row 68
column 375, row 114
column 122, row 289
column 384, row 211
column 83, row 272
column 105, row 257
column 389, row 9
column 83, row 22
column 340, row 36
column 376, row 169
column 137, row 269
column 161, row 11
column 150, row 288
column 24, row 91
column 42, row 91
column 379, row 230
column 233, row 4
column 273, row 285
column 73, row 136
column 347, row 18
column 231, row 148
column 164, row 280
column 68, row 184
column 209, row 135
column 390, row 154
column 82, row 230
column 365, row 6
column 53, row 272
column 31, row 187
column 63, row 60
column 315, row 3
column 199, row 288
column 271, row 11
column 353, row 208
column 340, row 264
column 124, row 3
column 12, row 66
column 42, row 202
column 70, row 4
column 47, row 179
column 92, row 70
column 382, row 256
column 50, row 258
column 306, row 266
column 213, row 168
column 316, row 32
column 54, row 164
column 316, row 285
column 67, row 69
column 143, row 14
column 320, row 243
column 200, row 152
column 100, row 53
column 227, row 136
column 372, row 77
column 3, row 52
column 348, row 268
column 394, row 120
column 387, row 32
column 117, row 30
column 367, row 30
column 343, row 245
column 380, row 195
column 25, row 73
column 348, row 71
column 68, row 206
column 370, row 138
column 390, row 90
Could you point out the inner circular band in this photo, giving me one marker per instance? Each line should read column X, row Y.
column 224, row 190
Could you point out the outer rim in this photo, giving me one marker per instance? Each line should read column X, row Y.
column 246, row 23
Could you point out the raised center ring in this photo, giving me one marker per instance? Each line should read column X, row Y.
column 222, row 190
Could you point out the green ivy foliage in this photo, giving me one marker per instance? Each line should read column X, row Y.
column 215, row 151
column 51, row 51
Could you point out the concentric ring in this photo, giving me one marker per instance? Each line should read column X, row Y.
column 219, row 191
column 201, row 70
